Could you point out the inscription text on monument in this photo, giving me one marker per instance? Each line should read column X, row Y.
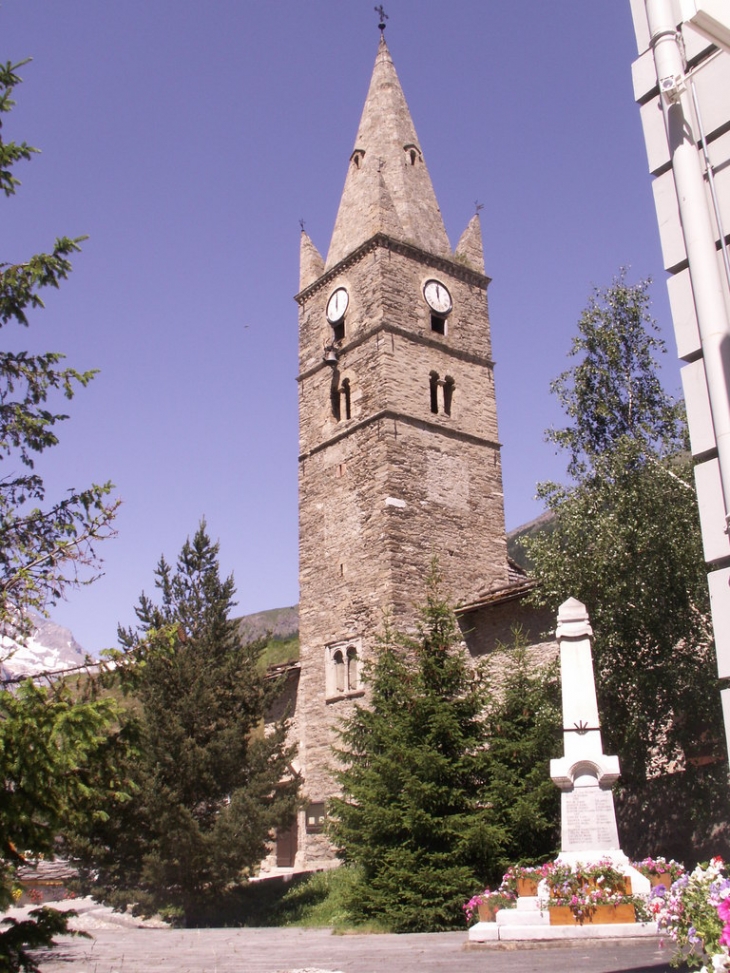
column 589, row 819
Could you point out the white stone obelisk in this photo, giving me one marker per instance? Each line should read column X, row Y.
column 585, row 775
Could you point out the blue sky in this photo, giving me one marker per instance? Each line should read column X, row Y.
column 188, row 138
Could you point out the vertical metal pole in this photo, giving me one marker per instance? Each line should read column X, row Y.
column 699, row 234
column 699, row 239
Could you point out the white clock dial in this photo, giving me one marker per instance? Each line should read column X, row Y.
column 437, row 296
column 337, row 305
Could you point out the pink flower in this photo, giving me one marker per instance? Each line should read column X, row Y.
column 723, row 911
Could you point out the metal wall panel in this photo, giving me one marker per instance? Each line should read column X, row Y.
column 715, row 542
column 699, row 415
column 719, row 584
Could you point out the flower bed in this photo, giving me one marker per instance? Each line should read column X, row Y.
column 695, row 911
column 523, row 880
column 584, row 889
column 485, row 905
column 595, row 892
column 564, row 915
column 659, row 871
column 517, row 881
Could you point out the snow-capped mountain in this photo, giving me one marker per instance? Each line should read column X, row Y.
column 50, row 648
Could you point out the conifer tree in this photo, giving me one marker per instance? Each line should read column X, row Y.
column 51, row 743
column 523, row 726
column 211, row 785
column 418, row 768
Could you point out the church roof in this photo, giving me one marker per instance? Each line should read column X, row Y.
column 518, row 585
column 387, row 188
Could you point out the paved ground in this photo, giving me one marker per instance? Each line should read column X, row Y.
column 120, row 945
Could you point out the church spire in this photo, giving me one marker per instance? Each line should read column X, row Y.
column 388, row 188
column 311, row 265
column 469, row 248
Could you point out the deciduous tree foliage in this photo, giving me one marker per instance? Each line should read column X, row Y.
column 433, row 799
column 212, row 785
column 50, row 742
column 626, row 541
column 44, row 547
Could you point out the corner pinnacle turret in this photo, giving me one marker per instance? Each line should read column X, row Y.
column 388, row 188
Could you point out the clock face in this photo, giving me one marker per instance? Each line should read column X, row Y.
column 437, row 296
column 337, row 305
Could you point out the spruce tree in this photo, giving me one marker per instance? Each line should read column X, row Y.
column 524, row 728
column 211, row 784
column 413, row 767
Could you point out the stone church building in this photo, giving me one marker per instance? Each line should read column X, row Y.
column 399, row 454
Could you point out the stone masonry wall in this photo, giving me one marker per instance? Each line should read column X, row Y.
column 383, row 492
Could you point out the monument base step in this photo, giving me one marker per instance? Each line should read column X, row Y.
column 485, row 932
column 515, row 917
column 525, row 903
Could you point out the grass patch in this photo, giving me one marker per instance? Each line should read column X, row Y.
column 277, row 652
column 321, row 900
column 313, row 900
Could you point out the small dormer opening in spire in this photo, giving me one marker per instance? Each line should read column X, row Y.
column 357, row 157
column 413, row 152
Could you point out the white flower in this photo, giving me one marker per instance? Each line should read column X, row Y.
column 720, row 962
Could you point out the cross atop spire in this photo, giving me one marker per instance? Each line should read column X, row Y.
column 383, row 17
column 388, row 188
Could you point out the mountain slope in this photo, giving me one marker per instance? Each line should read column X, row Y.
column 51, row 647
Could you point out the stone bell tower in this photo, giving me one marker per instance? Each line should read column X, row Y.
column 398, row 449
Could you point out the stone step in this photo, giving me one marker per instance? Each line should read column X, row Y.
column 484, row 932
column 528, row 903
column 518, row 917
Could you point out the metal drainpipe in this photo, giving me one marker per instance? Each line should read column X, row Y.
column 710, row 170
column 699, row 235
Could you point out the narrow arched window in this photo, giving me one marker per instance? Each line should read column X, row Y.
column 434, row 389
column 449, row 386
column 352, row 674
column 341, row 399
column 339, row 671
column 345, row 398
column 343, row 662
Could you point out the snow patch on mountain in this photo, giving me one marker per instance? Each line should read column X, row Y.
column 49, row 648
